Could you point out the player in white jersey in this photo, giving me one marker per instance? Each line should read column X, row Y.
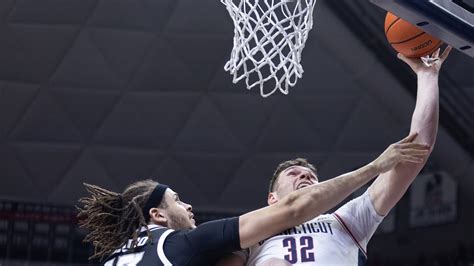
column 326, row 239
column 341, row 238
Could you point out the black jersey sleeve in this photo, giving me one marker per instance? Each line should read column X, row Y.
column 220, row 234
column 205, row 243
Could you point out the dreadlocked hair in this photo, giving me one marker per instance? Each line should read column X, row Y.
column 113, row 218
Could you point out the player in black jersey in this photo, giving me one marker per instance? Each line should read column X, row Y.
column 148, row 224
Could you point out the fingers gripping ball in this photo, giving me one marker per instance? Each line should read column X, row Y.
column 408, row 39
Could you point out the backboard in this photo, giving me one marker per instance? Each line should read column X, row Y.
column 450, row 20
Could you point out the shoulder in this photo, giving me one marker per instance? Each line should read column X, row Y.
column 322, row 217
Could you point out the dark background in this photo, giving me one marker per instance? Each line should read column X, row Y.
column 112, row 91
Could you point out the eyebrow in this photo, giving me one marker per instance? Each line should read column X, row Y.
column 290, row 168
column 297, row 166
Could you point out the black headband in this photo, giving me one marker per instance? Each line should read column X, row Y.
column 154, row 200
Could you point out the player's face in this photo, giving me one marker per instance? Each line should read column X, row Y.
column 178, row 213
column 294, row 178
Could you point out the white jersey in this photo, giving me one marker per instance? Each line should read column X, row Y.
column 339, row 238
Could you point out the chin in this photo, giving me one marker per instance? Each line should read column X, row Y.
column 191, row 224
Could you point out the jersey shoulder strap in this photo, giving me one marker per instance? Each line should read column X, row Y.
column 163, row 234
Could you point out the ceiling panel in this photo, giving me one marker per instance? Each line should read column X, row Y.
column 108, row 92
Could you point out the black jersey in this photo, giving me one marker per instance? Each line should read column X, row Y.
column 203, row 245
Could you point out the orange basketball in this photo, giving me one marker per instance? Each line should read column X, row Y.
column 408, row 39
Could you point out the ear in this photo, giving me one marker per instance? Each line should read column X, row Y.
column 157, row 216
column 272, row 198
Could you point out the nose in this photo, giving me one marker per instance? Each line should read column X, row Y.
column 305, row 175
column 189, row 207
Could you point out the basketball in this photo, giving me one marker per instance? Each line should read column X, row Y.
column 408, row 39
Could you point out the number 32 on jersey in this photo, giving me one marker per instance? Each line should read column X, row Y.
column 299, row 249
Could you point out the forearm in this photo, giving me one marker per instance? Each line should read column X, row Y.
column 426, row 113
column 328, row 194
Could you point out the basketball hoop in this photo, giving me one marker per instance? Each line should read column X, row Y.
column 269, row 37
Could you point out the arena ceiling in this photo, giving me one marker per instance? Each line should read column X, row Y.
column 111, row 91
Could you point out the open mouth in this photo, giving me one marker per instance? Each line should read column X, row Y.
column 303, row 185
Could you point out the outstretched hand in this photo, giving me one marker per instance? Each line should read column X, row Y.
column 403, row 151
column 418, row 66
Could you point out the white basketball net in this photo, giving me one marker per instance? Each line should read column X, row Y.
column 269, row 37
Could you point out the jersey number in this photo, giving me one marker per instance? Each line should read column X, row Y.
column 126, row 260
column 305, row 249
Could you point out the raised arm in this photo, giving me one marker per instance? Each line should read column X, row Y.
column 389, row 187
column 311, row 201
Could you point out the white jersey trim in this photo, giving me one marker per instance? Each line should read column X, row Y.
column 339, row 219
column 160, row 250
column 151, row 227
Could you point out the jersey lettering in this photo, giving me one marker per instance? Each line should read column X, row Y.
column 126, row 260
column 328, row 239
column 306, row 247
column 290, row 243
column 307, row 228
column 141, row 241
